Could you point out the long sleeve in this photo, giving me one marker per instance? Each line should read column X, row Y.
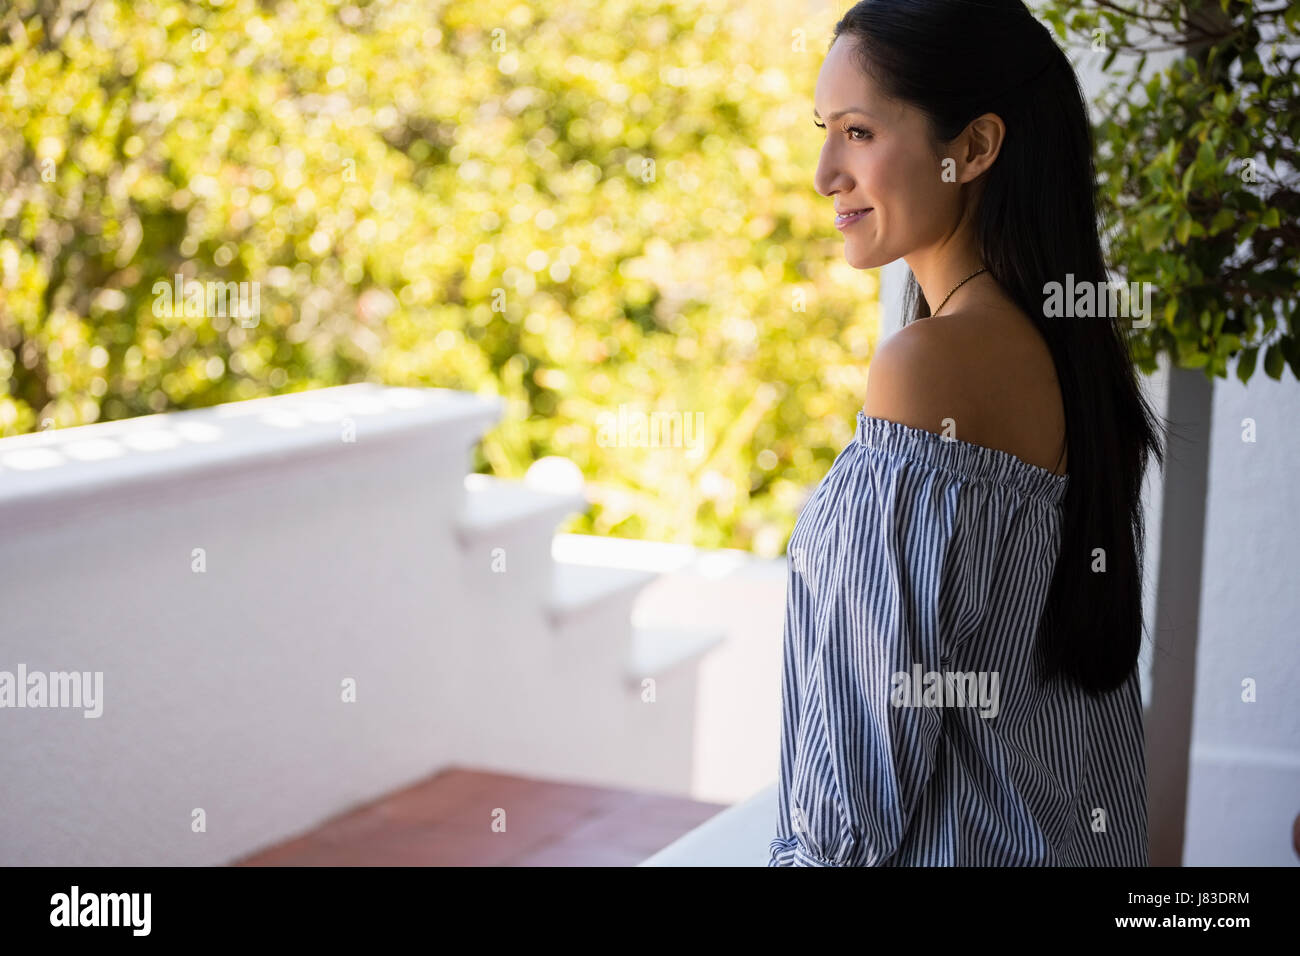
column 861, row 746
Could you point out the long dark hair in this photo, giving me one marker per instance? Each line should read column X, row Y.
column 1036, row 223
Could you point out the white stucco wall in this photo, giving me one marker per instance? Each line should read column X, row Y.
column 1244, row 788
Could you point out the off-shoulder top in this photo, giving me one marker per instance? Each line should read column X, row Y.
column 916, row 727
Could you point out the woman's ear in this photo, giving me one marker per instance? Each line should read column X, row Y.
column 978, row 146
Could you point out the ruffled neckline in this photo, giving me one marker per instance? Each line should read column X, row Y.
column 963, row 458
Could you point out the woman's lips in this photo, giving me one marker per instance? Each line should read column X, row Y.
column 850, row 218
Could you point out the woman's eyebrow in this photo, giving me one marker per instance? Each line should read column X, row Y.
column 834, row 116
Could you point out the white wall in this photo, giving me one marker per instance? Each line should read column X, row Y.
column 1244, row 792
column 325, row 560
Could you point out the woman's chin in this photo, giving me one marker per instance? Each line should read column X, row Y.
column 863, row 258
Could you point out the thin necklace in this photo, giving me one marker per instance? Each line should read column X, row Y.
column 955, row 288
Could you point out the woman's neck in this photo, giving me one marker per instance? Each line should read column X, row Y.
column 938, row 270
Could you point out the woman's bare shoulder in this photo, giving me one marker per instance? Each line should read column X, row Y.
column 917, row 378
column 984, row 376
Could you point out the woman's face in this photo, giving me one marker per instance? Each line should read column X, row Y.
column 878, row 155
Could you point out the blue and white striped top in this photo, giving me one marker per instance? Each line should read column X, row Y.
column 915, row 727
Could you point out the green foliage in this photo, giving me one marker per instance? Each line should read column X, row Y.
column 581, row 206
column 1198, row 173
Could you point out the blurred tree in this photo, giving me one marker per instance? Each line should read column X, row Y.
column 585, row 207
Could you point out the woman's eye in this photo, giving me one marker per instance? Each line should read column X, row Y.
column 850, row 131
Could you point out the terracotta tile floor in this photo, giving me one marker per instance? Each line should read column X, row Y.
column 446, row 820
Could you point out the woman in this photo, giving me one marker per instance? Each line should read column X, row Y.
column 964, row 610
